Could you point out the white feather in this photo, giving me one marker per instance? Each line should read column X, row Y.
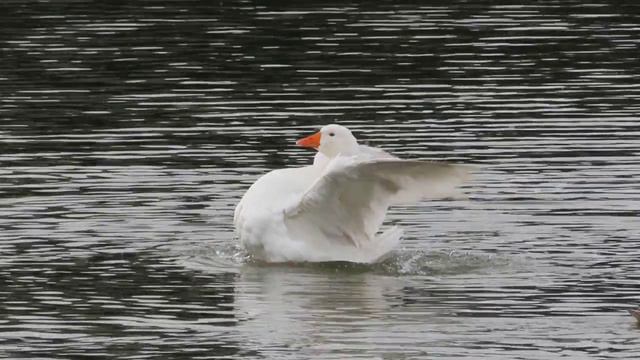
column 349, row 201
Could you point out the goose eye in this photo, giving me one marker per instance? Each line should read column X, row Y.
column 331, row 134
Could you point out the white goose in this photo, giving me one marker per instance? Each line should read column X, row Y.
column 333, row 210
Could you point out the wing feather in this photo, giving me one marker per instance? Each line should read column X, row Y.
column 350, row 200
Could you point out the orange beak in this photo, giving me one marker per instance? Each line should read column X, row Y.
column 312, row 141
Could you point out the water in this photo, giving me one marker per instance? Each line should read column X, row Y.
column 129, row 131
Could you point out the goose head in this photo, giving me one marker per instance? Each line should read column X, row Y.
column 331, row 141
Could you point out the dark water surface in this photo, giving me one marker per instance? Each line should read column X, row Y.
column 130, row 129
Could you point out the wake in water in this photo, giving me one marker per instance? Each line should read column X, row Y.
column 421, row 262
column 232, row 258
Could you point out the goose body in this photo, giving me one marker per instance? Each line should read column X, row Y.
column 333, row 210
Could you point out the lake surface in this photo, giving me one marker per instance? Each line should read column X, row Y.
column 129, row 131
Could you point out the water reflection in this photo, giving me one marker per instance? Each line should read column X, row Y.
column 272, row 303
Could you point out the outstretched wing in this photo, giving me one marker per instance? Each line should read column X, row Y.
column 374, row 153
column 350, row 200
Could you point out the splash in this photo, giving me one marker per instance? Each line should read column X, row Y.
column 422, row 262
column 402, row 262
